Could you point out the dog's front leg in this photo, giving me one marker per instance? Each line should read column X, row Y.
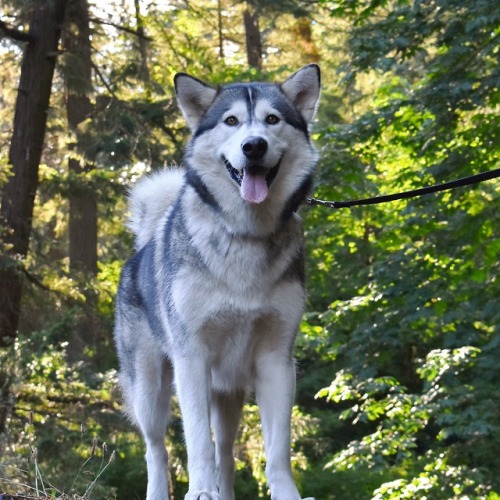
column 193, row 382
column 275, row 388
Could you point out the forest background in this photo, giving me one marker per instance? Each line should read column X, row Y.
column 398, row 354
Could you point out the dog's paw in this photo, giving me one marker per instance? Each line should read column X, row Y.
column 202, row 495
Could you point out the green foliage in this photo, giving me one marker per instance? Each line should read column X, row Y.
column 49, row 406
column 407, row 311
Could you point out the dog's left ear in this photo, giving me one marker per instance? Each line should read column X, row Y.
column 194, row 98
column 302, row 88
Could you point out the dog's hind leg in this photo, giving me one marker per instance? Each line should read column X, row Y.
column 226, row 411
column 152, row 392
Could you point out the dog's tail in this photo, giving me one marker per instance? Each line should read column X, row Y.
column 150, row 199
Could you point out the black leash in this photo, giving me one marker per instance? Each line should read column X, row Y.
column 465, row 181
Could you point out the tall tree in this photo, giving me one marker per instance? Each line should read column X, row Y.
column 253, row 40
column 305, row 40
column 78, row 77
column 25, row 152
column 82, row 196
column 141, row 39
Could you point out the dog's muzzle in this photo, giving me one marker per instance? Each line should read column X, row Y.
column 254, row 180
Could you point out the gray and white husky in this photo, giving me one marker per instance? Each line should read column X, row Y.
column 212, row 300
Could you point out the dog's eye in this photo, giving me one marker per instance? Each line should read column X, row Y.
column 272, row 119
column 231, row 121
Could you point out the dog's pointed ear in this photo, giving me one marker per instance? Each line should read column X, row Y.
column 303, row 88
column 194, row 98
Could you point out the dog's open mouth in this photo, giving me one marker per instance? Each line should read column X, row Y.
column 254, row 181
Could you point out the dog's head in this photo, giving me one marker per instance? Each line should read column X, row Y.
column 251, row 129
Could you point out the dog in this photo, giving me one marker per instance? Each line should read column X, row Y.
column 212, row 299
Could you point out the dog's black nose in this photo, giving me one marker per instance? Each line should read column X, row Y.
column 254, row 148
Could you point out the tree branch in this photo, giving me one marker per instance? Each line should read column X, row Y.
column 15, row 34
column 122, row 28
column 104, row 81
column 33, row 279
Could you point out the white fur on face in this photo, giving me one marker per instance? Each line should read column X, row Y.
column 233, row 137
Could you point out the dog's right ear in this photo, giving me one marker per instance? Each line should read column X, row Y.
column 194, row 98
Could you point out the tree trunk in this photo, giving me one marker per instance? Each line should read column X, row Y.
column 25, row 152
column 82, row 198
column 219, row 30
column 303, row 30
column 143, row 49
column 252, row 37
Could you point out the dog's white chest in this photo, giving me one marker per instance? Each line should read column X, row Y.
column 243, row 268
column 234, row 341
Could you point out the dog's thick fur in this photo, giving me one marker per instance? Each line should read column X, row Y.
column 213, row 297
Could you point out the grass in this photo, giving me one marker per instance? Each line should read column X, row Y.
column 43, row 489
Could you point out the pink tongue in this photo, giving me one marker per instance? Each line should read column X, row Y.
column 254, row 188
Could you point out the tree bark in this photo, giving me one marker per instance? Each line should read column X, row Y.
column 252, row 37
column 82, row 199
column 25, row 152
